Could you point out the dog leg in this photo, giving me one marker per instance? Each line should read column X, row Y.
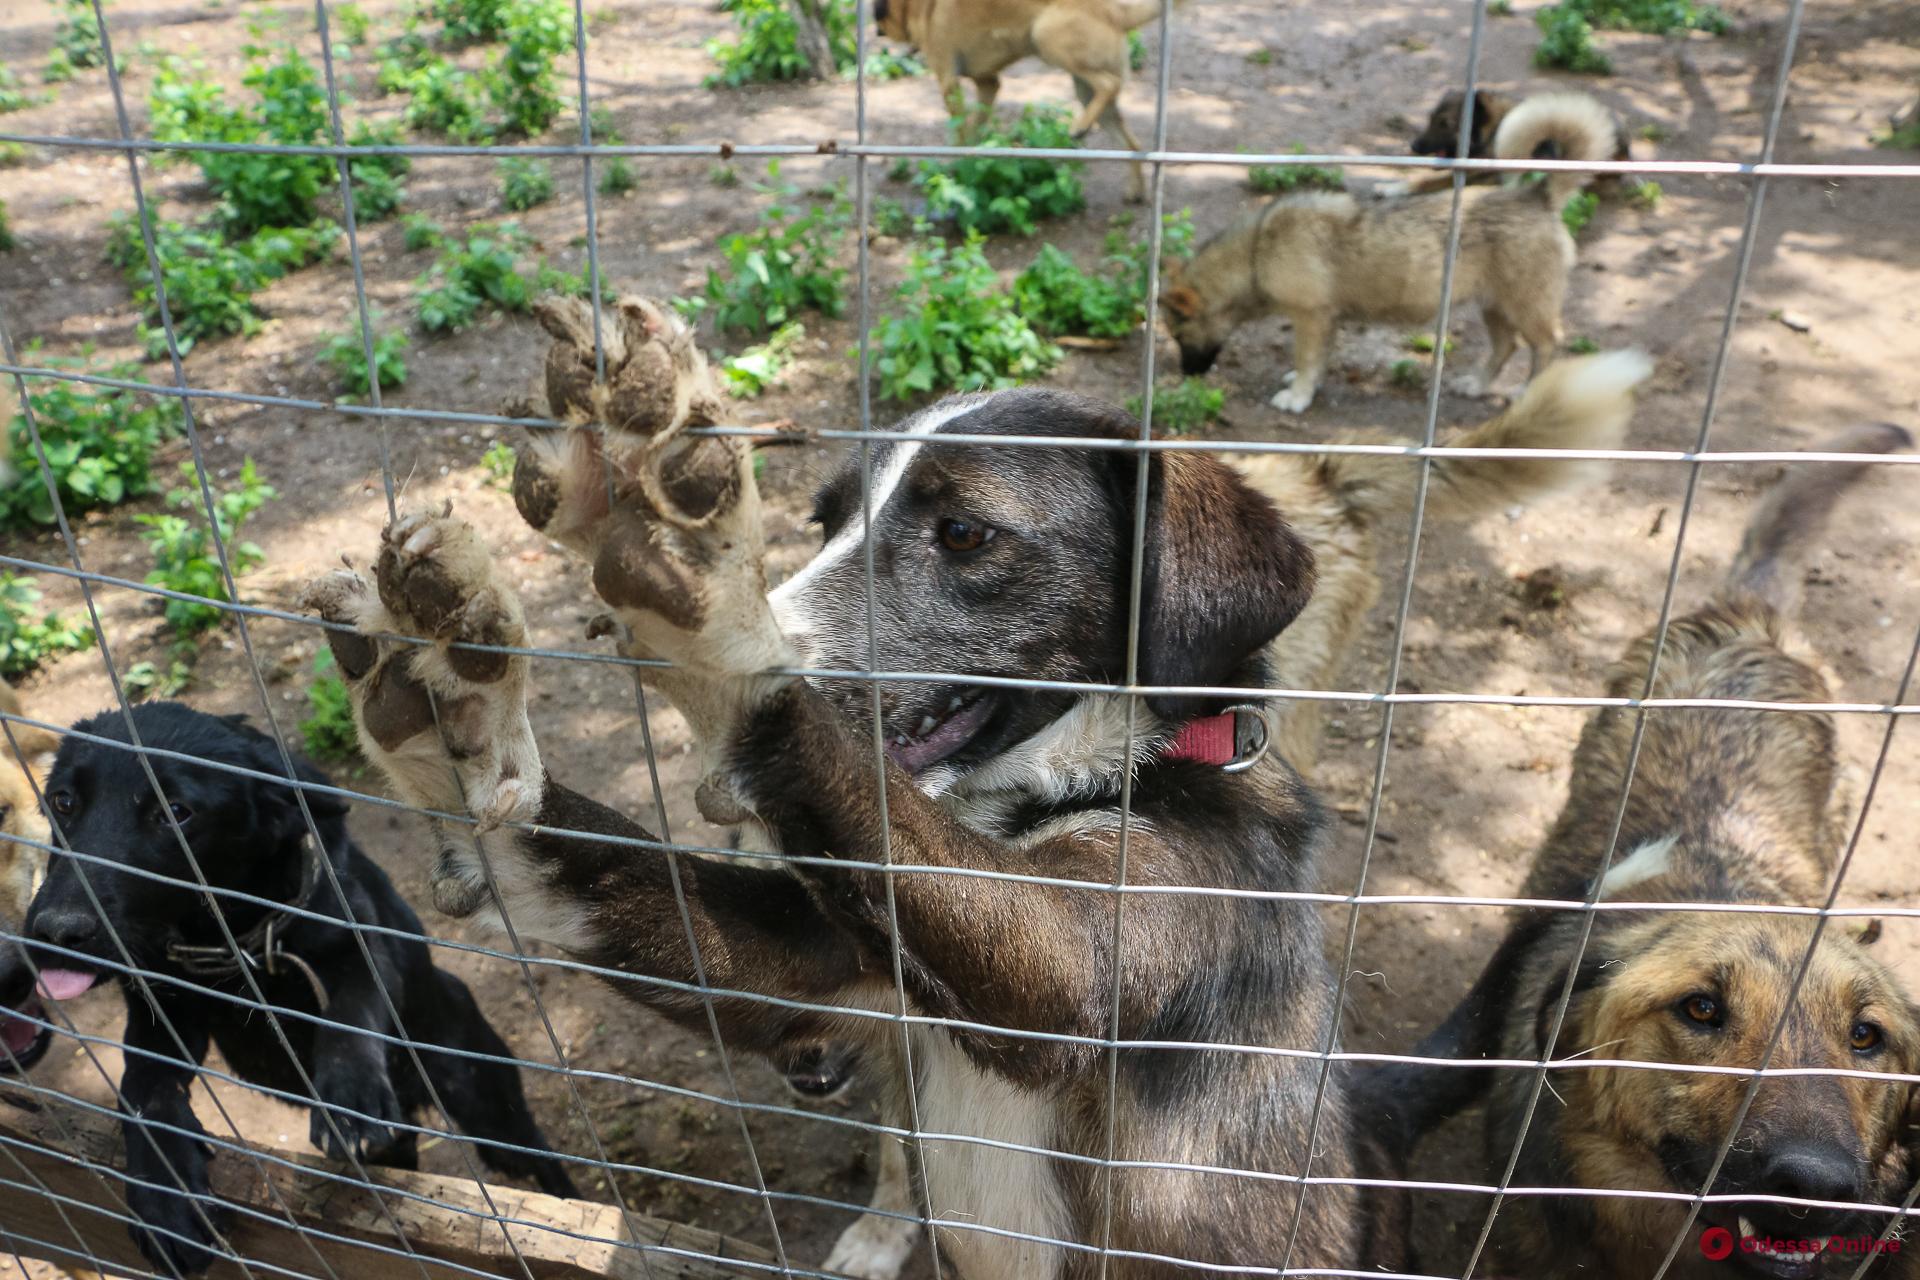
column 1109, row 115
column 167, row 1190
column 610, row 901
column 1312, row 332
column 356, row 1103
column 987, row 92
column 878, row 1244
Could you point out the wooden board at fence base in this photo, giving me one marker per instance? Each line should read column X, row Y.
column 49, row 1195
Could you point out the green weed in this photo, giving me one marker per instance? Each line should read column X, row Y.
column 885, row 64
column 498, row 462
column 1582, row 345
column 327, row 732
column 352, row 21
column 1181, row 408
column 524, row 183
column 484, row 269
column 956, row 327
column 617, row 177
column 521, row 81
column 184, row 556
column 993, row 195
column 210, row 283
column 1645, row 194
column 99, row 444
column 1273, row 178
column 347, row 353
column 767, row 48
column 418, row 231
column 746, row 375
column 143, row 680
column 1057, row 297
column 1579, row 210
column 782, row 267
column 27, row 640
column 76, row 41
column 7, row 241
column 1407, row 373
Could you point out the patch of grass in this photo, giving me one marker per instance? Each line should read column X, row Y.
column 767, row 48
column 498, row 463
column 955, row 328
column 12, row 96
column 888, row 217
column 1655, row 133
column 1407, row 373
column 377, row 192
column 524, row 183
column 1136, row 52
column 184, row 555
column 1566, row 41
column 751, row 372
column 144, row 680
column 884, row 64
column 327, row 732
column 1645, row 194
column 784, row 266
column 1566, row 28
column 29, row 636
column 483, row 269
column 993, row 195
column 573, row 284
column 347, row 353
column 1904, row 137
column 210, row 282
column 99, row 443
column 522, row 81
column 721, row 174
column 1262, row 57
column 1579, row 210
column 1500, row 8
column 1272, row 179
column 1423, row 343
column 1057, row 297
column 473, row 21
column 617, row 177
column 418, row 231
column 1582, row 345
column 352, row 22
column 1181, row 408
column 448, row 101
column 7, row 242
column 76, row 42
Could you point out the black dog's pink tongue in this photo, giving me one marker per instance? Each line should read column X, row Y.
column 64, row 984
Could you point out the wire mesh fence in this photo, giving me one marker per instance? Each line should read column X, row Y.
column 1055, row 1179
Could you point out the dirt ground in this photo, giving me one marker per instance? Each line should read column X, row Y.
column 1468, row 789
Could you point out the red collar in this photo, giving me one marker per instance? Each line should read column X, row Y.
column 1208, row 740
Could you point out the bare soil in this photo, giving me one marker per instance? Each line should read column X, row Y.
column 1468, row 788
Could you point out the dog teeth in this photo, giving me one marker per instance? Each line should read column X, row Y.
column 1747, row 1228
column 953, row 704
column 926, row 726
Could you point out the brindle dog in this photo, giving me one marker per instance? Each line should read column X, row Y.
column 1727, row 806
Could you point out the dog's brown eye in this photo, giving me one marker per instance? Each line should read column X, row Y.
column 1701, row 1008
column 1866, row 1037
column 180, row 813
column 62, row 802
column 964, row 535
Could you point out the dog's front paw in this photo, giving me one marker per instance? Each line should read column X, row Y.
column 876, row 1247
column 1471, row 385
column 1294, row 398
column 174, row 1232
column 670, row 522
column 360, row 1115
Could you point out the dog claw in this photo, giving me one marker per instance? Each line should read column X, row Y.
column 602, row 624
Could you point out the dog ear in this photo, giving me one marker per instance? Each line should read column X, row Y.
column 1223, row 575
column 277, row 803
column 1182, row 301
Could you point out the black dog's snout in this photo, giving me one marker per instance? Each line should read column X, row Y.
column 1811, row 1171
column 68, row 927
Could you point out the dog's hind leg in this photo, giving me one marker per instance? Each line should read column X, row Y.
column 879, row 1242
column 987, row 91
column 484, row 1096
column 1110, row 117
column 1501, row 340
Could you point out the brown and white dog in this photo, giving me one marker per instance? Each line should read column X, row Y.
column 988, row 562
column 1441, row 138
column 979, row 39
column 1740, row 806
column 1322, row 258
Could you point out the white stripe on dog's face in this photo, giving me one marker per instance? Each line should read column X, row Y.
column 789, row 599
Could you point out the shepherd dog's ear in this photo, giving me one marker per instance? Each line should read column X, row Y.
column 1182, row 300
column 1224, row 574
column 879, row 12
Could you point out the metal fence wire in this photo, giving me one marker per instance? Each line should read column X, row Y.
column 339, row 1215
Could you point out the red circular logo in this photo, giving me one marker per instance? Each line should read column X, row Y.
column 1716, row 1243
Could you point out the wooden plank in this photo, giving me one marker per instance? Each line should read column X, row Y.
column 562, row 1239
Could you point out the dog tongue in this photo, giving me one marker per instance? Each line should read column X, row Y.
column 947, row 737
column 64, row 984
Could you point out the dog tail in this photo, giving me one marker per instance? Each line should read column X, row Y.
column 1579, row 403
column 1797, row 509
column 1128, row 14
column 1558, row 126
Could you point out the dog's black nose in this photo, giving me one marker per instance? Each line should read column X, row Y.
column 1811, row 1171
column 71, row 928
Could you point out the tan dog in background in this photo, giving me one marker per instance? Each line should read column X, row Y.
column 979, row 39
column 23, row 763
column 1321, row 258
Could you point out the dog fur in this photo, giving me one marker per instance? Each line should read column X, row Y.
column 978, row 39
column 249, row 836
column 1727, row 806
column 976, row 781
column 1321, row 258
column 1441, row 138
column 25, row 752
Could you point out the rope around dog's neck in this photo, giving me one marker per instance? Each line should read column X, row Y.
column 260, row 948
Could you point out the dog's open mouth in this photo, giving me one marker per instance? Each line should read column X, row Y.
column 23, row 1035
column 937, row 737
column 1757, row 1250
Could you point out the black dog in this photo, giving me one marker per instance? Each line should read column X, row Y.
column 249, row 836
